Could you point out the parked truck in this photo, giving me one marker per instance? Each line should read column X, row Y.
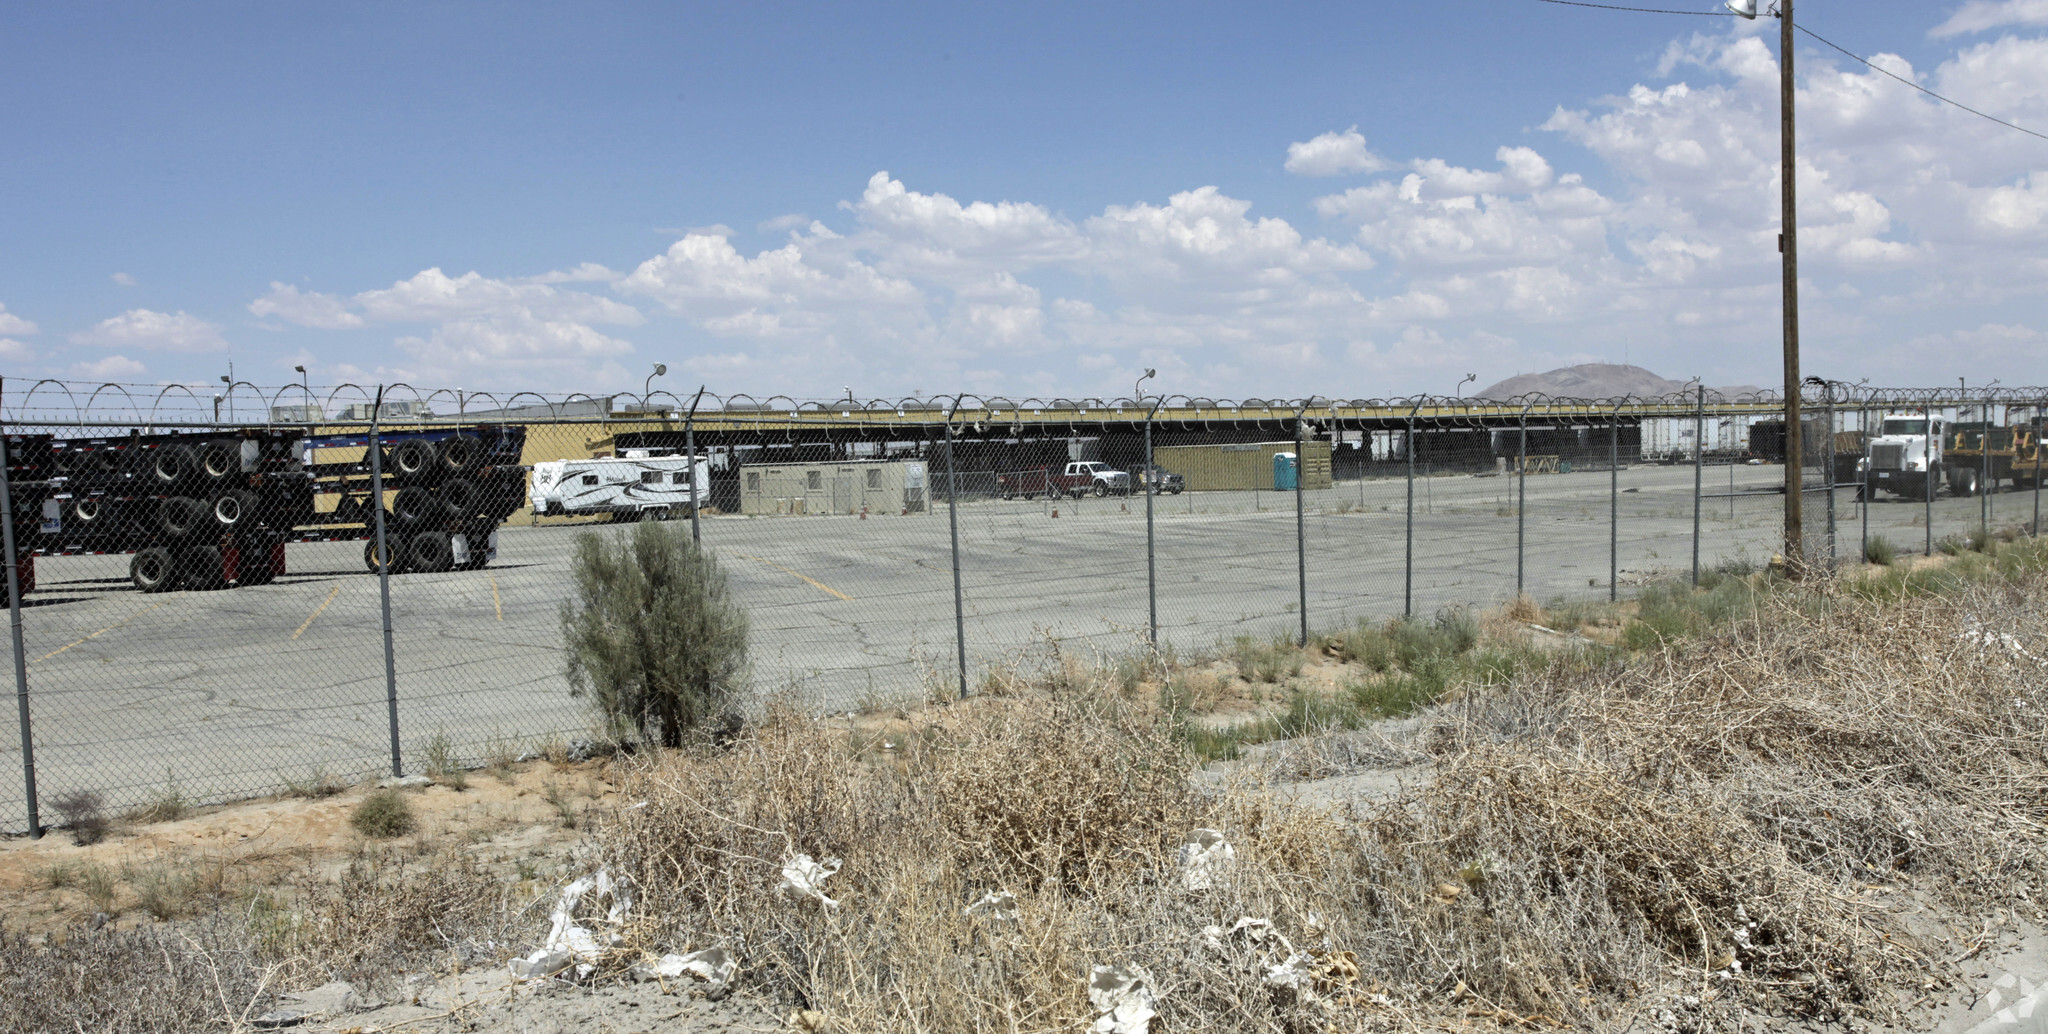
column 1905, row 457
column 639, row 484
column 1075, row 479
column 1980, row 455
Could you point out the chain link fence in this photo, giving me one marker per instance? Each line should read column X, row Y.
column 246, row 593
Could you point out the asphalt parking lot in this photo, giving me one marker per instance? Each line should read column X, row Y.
column 214, row 694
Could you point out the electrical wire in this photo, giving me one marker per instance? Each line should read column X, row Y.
column 1642, row 10
column 1844, row 51
column 1908, row 82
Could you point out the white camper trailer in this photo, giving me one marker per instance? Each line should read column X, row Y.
column 636, row 484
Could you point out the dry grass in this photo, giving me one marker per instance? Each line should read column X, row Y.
column 1684, row 828
column 1679, row 830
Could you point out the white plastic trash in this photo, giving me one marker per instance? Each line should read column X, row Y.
column 805, row 878
column 1204, row 857
column 1123, row 999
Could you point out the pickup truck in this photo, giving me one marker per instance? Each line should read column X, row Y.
column 1075, row 480
column 1158, row 479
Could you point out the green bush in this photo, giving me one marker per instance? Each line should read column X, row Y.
column 653, row 633
column 383, row 814
column 1880, row 551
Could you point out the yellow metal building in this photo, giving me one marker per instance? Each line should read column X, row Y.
column 1242, row 468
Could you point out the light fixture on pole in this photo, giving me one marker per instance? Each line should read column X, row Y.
column 1469, row 378
column 659, row 370
column 308, row 389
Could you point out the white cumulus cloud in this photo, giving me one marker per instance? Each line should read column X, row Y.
column 1981, row 15
column 1333, row 154
column 307, row 309
column 109, row 368
column 12, row 324
column 156, row 331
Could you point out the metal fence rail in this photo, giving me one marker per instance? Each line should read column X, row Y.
column 884, row 550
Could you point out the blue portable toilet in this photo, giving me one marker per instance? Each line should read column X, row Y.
column 1286, row 471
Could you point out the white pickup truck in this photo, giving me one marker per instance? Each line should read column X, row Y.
column 634, row 485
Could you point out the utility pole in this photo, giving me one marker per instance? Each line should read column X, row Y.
column 1795, row 458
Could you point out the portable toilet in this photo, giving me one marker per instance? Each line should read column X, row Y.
column 1286, row 472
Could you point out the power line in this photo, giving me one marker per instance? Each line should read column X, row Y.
column 1642, row 10
column 1905, row 80
column 1845, row 52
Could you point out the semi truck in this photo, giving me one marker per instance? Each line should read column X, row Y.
column 212, row 509
column 1905, row 456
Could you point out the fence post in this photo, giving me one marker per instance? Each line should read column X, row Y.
column 953, row 519
column 1984, row 484
column 1408, row 562
column 690, row 443
column 1300, row 526
column 1828, row 458
column 1151, row 564
column 384, row 561
column 1863, row 479
column 1521, row 496
column 2039, row 411
column 1614, row 507
column 1699, row 450
column 28, row 743
column 1927, row 461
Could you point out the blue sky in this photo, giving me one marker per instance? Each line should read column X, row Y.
column 1025, row 199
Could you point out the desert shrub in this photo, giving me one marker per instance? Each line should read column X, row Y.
column 653, row 634
column 1880, row 551
column 80, row 811
column 443, row 765
column 382, row 814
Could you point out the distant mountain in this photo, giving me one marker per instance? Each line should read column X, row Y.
column 1599, row 381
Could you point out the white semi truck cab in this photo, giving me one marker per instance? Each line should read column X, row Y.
column 1905, row 457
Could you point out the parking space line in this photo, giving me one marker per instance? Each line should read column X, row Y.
column 820, row 585
column 95, row 635
column 495, row 604
column 316, row 612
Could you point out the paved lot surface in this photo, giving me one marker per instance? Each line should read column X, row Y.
column 213, row 694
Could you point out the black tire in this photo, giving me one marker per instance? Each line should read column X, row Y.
column 1078, row 493
column 414, row 506
column 92, row 515
column 152, row 570
column 237, row 510
column 199, row 566
column 462, row 498
column 219, row 461
column 1101, row 489
column 348, row 511
column 1008, row 495
column 370, row 557
column 172, row 466
column 459, row 454
column 1176, row 490
column 180, row 517
column 430, row 551
column 411, row 461
column 107, row 461
column 1964, row 483
column 1052, row 491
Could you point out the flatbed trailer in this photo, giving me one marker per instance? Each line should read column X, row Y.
column 214, row 509
column 2014, row 455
